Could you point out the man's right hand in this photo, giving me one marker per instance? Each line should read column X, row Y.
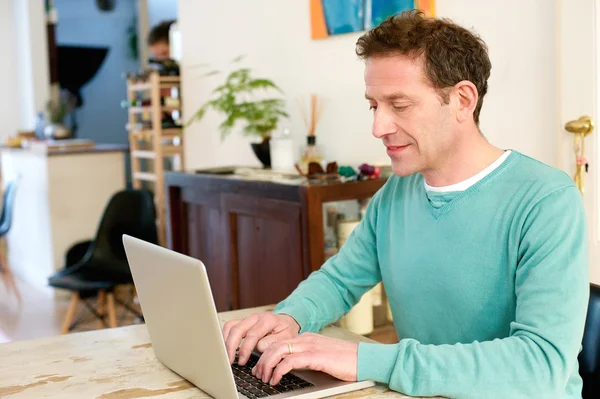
column 258, row 330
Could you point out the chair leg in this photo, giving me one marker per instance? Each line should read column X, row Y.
column 112, row 314
column 7, row 276
column 101, row 302
column 70, row 313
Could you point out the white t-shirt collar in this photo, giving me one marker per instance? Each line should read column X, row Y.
column 465, row 184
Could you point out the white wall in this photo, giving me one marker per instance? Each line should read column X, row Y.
column 32, row 60
column 9, row 121
column 519, row 111
column 24, row 75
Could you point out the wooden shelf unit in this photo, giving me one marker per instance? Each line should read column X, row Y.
column 150, row 144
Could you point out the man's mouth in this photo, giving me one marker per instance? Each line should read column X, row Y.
column 395, row 149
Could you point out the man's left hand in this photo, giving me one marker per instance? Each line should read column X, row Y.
column 312, row 351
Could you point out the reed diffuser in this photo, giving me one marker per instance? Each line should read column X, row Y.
column 311, row 152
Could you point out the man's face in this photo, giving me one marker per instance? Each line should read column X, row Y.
column 410, row 117
column 160, row 51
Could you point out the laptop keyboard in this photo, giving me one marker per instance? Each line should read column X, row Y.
column 251, row 387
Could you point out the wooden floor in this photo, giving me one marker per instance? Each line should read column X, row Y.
column 41, row 315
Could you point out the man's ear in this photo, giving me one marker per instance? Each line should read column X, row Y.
column 468, row 96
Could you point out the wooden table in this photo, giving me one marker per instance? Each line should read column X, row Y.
column 114, row 363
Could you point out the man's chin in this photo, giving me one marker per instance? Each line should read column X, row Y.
column 402, row 169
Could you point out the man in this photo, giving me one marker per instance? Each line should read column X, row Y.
column 482, row 252
column 158, row 41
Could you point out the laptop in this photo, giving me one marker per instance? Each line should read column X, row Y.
column 186, row 335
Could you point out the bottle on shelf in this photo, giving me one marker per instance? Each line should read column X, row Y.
column 310, row 153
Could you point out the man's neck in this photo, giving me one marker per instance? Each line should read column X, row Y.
column 465, row 161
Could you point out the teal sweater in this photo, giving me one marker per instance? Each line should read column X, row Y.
column 488, row 287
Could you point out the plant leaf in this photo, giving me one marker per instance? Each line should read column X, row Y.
column 234, row 98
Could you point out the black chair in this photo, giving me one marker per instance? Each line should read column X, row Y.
column 101, row 265
column 6, row 219
column 589, row 358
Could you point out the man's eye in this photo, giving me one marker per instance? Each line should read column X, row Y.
column 400, row 108
column 373, row 107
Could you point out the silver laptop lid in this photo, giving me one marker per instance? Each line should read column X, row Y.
column 180, row 315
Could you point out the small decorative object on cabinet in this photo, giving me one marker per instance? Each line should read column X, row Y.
column 311, row 152
column 155, row 134
column 282, row 152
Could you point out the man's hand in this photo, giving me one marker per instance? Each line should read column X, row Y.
column 315, row 352
column 259, row 330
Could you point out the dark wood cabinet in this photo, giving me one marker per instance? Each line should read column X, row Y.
column 258, row 239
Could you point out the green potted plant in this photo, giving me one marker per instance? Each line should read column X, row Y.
column 238, row 99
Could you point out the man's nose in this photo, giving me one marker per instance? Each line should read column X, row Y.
column 383, row 124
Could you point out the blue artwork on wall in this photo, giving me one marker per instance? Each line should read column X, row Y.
column 334, row 17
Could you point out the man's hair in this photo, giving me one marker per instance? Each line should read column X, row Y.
column 160, row 33
column 450, row 53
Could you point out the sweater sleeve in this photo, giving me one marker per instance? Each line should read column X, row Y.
column 330, row 292
column 540, row 355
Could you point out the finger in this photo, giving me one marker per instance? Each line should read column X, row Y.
column 271, row 339
column 227, row 327
column 278, row 343
column 270, row 359
column 236, row 333
column 291, row 362
column 287, row 335
column 226, row 332
column 258, row 331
